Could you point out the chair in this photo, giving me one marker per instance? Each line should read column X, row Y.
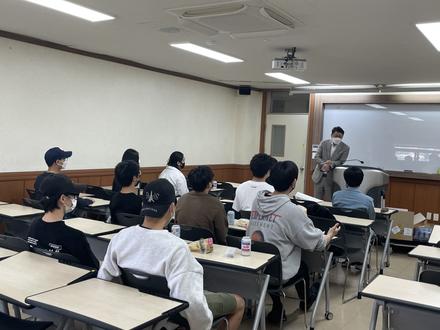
column 274, row 269
column 354, row 213
column 31, row 193
column 12, row 323
column 190, row 233
column 33, row 203
column 156, row 285
column 228, row 192
column 13, row 243
column 430, row 276
column 127, row 219
column 64, row 258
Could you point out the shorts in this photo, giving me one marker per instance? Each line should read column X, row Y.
column 220, row 304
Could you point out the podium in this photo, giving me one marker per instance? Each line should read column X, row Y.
column 375, row 182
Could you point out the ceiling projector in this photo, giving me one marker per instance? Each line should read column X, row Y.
column 289, row 62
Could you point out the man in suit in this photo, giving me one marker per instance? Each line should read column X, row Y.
column 331, row 153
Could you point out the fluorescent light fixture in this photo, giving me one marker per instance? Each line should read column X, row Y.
column 416, row 85
column 432, row 32
column 376, row 106
column 415, row 118
column 207, row 52
column 397, row 113
column 73, row 9
column 337, row 87
column 286, row 77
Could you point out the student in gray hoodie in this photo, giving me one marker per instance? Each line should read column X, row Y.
column 275, row 219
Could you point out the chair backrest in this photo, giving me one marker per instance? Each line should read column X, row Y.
column 99, row 192
column 430, row 276
column 31, row 193
column 127, row 219
column 354, row 213
column 33, row 203
column 245, row 214
column 190, row 233
column 274, row 268
column 314, row 209
column 144, row 282
column 64, row 258
column 337, row 245
column 228, row 191
column 13, row 243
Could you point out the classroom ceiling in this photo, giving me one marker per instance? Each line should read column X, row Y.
column 344, row 41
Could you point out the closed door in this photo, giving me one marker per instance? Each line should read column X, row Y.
column 286, row 139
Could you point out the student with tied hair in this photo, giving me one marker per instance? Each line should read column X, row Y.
column 173, row 173
column 129, row 154
column 126, row 200
column 50, row 232
column 246, row 193
column 199, row 209
column 351, row 197
column 278, row 221
column 148, row 248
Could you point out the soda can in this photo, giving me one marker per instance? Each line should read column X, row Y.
column 214, row 184
column 175, row 230
column 231, row 218
column 246, row 246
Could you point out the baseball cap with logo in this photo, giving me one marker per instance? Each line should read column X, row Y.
column 53, row 154
column 158, row 196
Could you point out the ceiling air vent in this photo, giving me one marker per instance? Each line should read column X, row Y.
column 239, row 19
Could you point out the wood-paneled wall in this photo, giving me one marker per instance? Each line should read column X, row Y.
column 13, row 185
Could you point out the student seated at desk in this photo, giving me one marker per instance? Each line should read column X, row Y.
column 199, row 209
column 50, row 232
column 150, row 249
column 129, row 154
column 247, row 191
column 173, row 173
column 126, row 201
column 56, row 160
column 275, row 219
column 351, row 197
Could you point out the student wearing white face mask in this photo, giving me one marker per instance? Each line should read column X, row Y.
column 331, row 153
column 50, row 232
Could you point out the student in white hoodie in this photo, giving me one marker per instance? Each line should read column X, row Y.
column 150, row 249
column 275, row 219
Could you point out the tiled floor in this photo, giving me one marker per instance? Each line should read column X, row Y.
column 354, row 315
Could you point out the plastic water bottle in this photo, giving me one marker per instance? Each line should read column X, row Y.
column 231, row 218
column 175, row 230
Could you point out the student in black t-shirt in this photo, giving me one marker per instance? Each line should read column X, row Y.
column 126, row 201
column 129, row 154
column 50, row 232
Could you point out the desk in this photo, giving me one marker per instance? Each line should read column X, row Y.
column 435, row 235
column 237, row 227
column 234, row 184
column 424, row 254
column 107, row 305
column 98, row 202
column 5, row 253
column 227, row 201
column 240, row 275
column 3, row 203
column 27, row 273
column 18, row 218
column 358, row 222
column 411, row 297
column 377, row 210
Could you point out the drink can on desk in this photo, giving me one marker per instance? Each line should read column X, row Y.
column 214, row 184
column 231, row 218
column 246, row 246
column 175, row 230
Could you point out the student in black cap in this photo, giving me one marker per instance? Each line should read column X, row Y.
column 50, row 232
column 150, row 249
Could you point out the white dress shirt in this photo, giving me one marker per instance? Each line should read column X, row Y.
column 176, row 178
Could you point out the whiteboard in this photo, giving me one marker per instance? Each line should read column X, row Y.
column 395, row 137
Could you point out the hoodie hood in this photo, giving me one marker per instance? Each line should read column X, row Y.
column 268, row 204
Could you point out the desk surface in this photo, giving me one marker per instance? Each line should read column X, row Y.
column 253, row 262
column 3, row 203
column 425, row 252
column 92, row 227
column 377, row 210
column 435, row 235
column 234, row 184
column 353, row 221
column 98, row 202
column 238, row 224
column 84, row 195
column 5, row 253
column 16, row 211
column 27, row 273
column 227, row 200
column 107, row 237
column 408, row 292
column 105, row 304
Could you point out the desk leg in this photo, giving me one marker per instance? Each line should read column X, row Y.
column 5, row 307
column 374, row 314
column 386, row 249
column 419, row 266
column 17, row 311
column 260, row 315
column 364, row 265
column 62, row 323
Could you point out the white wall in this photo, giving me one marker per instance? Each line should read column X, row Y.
column 98, row 109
